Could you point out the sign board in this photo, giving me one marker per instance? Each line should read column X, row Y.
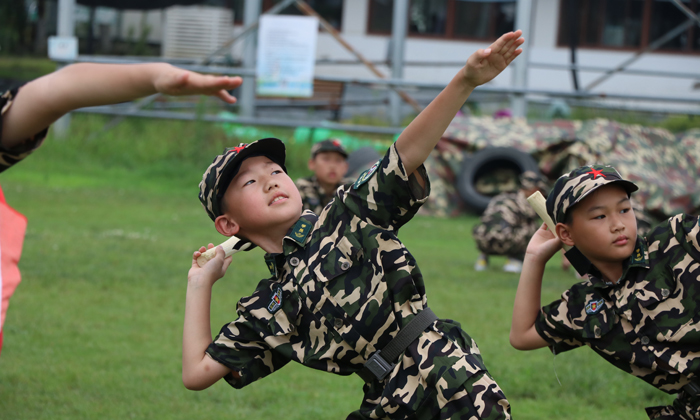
column 63, row 48
column 286, row 55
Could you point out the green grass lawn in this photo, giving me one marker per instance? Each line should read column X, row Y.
column 25, row 68
column 94, row 329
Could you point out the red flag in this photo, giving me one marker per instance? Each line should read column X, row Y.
column 12, row 227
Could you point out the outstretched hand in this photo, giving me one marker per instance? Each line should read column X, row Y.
column 485, row 64
column 179, row 82
column 213, row 270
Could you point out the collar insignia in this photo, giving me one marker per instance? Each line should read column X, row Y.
column 271, row 265
column 594, row 306
column 300, row 231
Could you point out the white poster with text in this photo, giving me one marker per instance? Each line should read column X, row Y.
column 286, row 55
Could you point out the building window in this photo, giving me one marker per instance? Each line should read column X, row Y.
column 627, row 24
column 330, row 10
column 451, row 19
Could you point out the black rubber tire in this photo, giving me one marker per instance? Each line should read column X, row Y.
column 485, row 161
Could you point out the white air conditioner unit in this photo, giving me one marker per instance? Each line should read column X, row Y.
column 195, row 31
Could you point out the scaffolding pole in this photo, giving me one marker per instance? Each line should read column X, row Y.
column 66, row 28
column 523, row 18
column 398, row 37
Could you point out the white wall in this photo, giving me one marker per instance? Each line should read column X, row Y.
column 374, row 47
column 543, row 46
column 543, row 50
column 133, row 19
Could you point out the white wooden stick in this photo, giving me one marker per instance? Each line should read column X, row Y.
column 539, row 204
column 231, row 246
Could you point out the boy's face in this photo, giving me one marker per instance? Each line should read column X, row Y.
column 603, row 226
column 329, row 167
column 262, row 197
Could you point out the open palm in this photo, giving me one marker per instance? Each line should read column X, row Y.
column 180, row 82
column 485, row 64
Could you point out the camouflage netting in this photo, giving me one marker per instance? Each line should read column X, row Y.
column 666, row 167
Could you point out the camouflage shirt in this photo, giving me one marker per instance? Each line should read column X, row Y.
column 9, row 157
column 313, row 197
column 506, row 226
column 648, row 323
column 341, row 289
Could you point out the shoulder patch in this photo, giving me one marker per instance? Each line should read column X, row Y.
column 366, row 175
column 594, row 306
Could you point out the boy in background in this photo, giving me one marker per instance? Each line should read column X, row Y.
column 508, row 223
column 639, row 307
column 345, row 296
column 329, row 164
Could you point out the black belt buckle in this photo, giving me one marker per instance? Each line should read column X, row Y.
column 378, row 366
column 692, row 389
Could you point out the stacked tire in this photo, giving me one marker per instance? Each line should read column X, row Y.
column 485, row 161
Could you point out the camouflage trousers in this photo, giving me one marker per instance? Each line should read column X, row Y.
column 478, row 398
column 460, row 388
column 685, row 407
column 503, row 239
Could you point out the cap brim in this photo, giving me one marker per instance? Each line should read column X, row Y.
column 342, row 152
column 270, row 147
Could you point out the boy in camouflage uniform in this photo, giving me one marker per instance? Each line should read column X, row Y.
column 329, row 164
column 638, row 309
column 508, row 223
column 344, row 292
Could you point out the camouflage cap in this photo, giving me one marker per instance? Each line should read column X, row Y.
column 532, row 179
column 330, row 145
column 219, row 174
column 573, row 187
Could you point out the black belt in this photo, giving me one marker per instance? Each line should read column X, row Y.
column 382, row 361
column 692, row 389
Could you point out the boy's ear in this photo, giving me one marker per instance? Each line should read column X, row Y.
column 312, row 165
column 226, row 226
column 564, row 234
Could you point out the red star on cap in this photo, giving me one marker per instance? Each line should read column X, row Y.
column 336, row 143
column 596, row 172
column 238, row 149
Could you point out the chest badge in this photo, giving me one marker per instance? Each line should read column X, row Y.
column 276, row 301
column 594, row 306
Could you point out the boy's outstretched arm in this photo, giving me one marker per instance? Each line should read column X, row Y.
column 420, row 137
column 523, row 335
column 199, row 371
column 42, row 101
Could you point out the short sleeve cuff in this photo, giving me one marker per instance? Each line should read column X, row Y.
column 10, row 156
column 419, row 193
column 219, row 355
column 556, row 343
